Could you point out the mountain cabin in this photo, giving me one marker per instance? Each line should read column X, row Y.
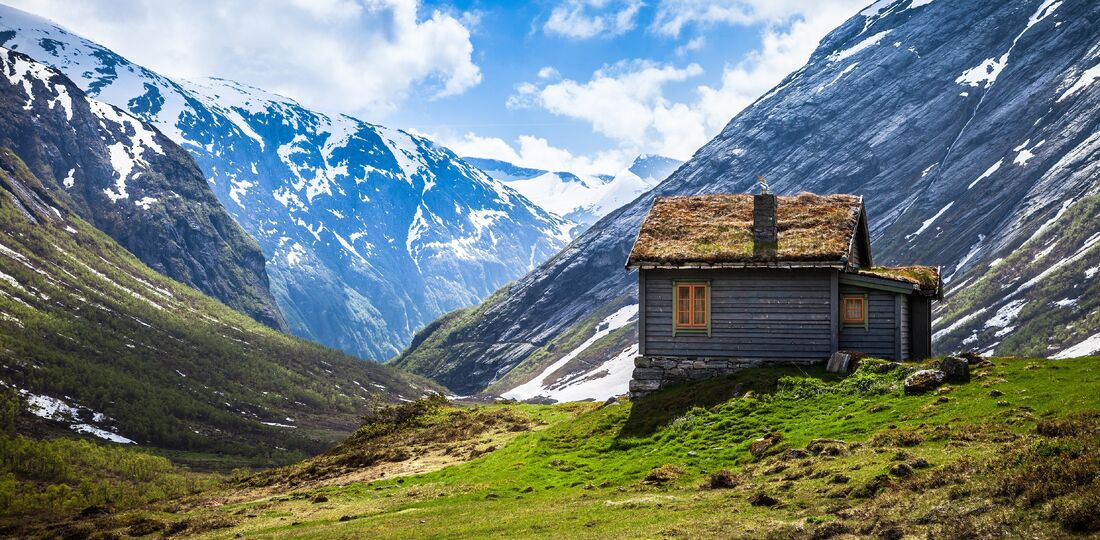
column 727, row 282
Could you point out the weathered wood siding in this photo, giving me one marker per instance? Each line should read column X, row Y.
column 855, row 255
column 880, row 337
column 906, row 351
column 765, row 313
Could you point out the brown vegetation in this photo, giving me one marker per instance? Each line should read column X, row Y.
column 407, row 438
column 718, row 228
column 925, row 277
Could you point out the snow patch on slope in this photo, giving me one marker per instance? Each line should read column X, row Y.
column 538, row 387
column 1090, row 346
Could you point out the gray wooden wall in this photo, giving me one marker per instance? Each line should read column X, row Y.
column 880, row 337
column 904, row 327
column 769, row 313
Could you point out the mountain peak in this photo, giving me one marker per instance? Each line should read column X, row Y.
column 369, row 232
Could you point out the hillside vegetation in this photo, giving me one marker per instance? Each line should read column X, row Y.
column 770, row 452
column 96, row 342
column 1040, row 298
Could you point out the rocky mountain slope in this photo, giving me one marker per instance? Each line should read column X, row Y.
column 369, row 232
column 132, row 183
column 582, row 199
column 969, row 128
column 95, row 342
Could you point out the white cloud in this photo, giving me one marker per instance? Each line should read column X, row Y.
column 538, row 153
column 694, row 44
column 365, row 56
column 780, row 53
column 583, row 19
column 549, row 72
column 619, row 101
column 673, row 16
column 627, row 103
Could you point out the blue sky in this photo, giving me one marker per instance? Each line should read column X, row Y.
column 579, row 85
column 512, row 46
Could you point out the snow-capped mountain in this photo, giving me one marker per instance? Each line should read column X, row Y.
column 582, row 199
column 99, row 343
column 972, row 129
column 370, row 232
column 132, row 183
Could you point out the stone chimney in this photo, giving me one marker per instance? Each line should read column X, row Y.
column 765, row 232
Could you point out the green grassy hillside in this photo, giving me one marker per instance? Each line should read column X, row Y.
column 99, row 343
column 766, row 453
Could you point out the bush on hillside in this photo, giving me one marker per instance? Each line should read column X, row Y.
column 723, row 479
column 664, row 474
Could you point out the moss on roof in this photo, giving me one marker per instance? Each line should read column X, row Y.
column 925, row 277
column 718, row 229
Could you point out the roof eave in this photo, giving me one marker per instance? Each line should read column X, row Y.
column 655, row 265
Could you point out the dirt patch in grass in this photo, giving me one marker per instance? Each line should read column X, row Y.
column 399, row 440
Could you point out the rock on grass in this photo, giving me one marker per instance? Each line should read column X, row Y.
column 924, row 380
column 760, row 447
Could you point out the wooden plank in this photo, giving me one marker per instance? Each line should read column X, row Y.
column 642, row 313
column 834, row 311
column 897, row 326
column 871, row 282
column 719, row 352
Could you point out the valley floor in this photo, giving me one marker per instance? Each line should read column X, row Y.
column 774, row 452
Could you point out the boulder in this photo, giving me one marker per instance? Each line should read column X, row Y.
column 956, row 368
column 971, row 357
column 838, row 362
column 760, row 446
column 924, row 381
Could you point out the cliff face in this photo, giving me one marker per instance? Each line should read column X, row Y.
column 132, row 183
column 969, row 128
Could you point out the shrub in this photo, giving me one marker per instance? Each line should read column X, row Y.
column 871, row 487
column 761, row 498
column 1067, row 427
column 664, row 474
column 723, row 479
column 825, row 447
column 1079, row 512
column 897, row 437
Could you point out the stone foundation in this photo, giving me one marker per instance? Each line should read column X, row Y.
column 652, row 373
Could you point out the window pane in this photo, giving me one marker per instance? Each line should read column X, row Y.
column 700, row 305
column 684, row 299
column 853, row 310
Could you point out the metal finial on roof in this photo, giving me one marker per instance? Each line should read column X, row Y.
column 763, row 184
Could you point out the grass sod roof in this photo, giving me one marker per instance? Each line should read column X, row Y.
column 715, row 229
column 927, row 278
